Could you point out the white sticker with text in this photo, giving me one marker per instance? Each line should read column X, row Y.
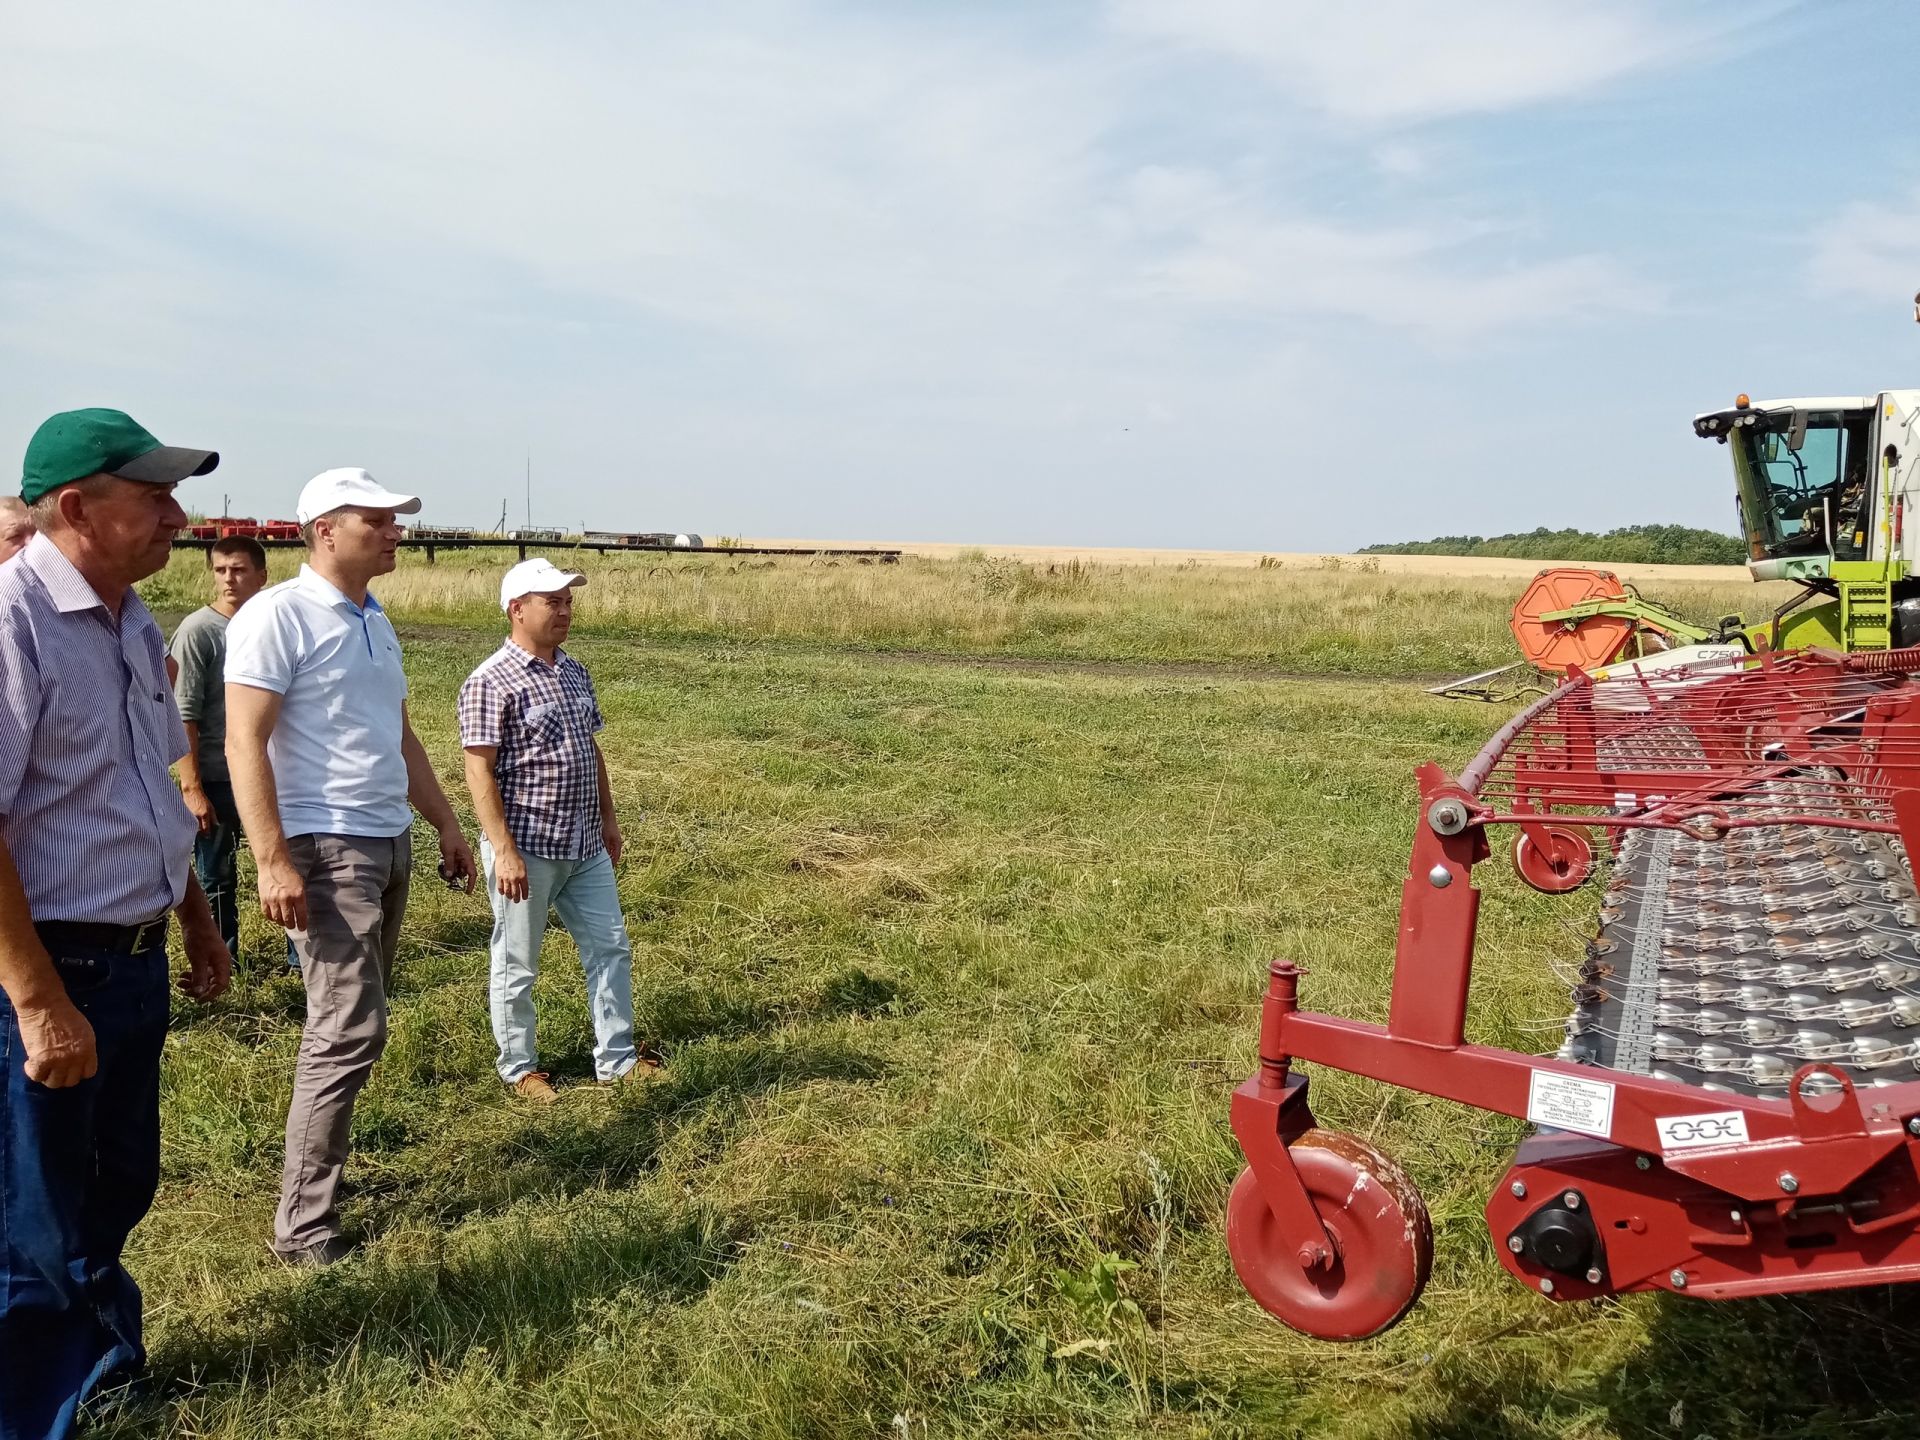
column 1695, row 1132
column 1566, row 1103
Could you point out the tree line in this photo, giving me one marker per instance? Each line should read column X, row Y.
column 1628, row 545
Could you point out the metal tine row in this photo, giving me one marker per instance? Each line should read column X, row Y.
column 1780, row 945
column 1884, row 1062
column 1798, row 1045
column 1735, row 977
column 1776, row 908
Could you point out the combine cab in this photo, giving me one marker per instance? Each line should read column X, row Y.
column 1824, row 487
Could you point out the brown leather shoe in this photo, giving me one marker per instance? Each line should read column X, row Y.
column 646, row 1070
column 536, row 1087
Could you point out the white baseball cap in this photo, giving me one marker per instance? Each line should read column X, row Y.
column 536, row 577
column 331, row 489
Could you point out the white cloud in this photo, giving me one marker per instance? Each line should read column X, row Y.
column 1393, row 61
column 1437, row 278
column 1869, row 250
column 828, row 191
column 1403, row 160
column 787, row 242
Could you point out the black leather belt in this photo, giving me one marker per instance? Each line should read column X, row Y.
column 89, row 935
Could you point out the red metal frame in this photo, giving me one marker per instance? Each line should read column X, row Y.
column 1825, row 1190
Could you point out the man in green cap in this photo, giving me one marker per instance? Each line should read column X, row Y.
column 94, row 851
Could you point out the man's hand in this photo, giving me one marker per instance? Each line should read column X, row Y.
column 59, row 1044
column 209, row 966
column 510, row 874
column 456, row 860
column 200, row 806
column 612, row 838
column 283, row 894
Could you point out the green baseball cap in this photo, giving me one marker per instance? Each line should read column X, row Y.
column 77, row 443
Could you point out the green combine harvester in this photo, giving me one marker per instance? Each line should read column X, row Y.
column 1825, row 487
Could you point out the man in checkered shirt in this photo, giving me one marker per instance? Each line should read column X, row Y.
column 528, row 716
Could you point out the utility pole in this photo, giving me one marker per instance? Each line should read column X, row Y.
column 529, row 489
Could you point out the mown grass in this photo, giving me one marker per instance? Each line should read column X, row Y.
column 956, row 966
column 1338, row 618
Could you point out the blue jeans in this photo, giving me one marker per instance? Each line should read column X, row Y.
column 587, row 899
column 78, row 1170
column 216, row 862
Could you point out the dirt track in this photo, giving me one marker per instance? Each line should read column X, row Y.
column 1431, row 565
column 1144, row 669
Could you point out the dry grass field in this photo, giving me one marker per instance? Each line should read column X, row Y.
column 1329, row 615
column 1429, row 566
column 951, row 886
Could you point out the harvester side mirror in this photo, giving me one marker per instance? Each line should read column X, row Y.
column 1797, row 435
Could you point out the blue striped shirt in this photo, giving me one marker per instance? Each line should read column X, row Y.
column 87, row 730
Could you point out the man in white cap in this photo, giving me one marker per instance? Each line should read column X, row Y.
column 324, row 767
column 528, row 715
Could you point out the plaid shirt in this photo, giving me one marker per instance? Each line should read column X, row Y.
column 541, row 718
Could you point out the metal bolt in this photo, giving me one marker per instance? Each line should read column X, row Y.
column 1789, row 1182
column 1516, row 1244
column 1447, row 817
column 1519, row 1189
column 1546, row 1286
column 1679, row 1279
column 1439, row 877
column 1310, row 1256
column 1594, row 1277
column 1641, row 1162
column 1913, row 1126
column 1571, row 1200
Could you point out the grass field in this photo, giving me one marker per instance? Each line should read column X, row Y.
column 1339, row 616
column 955, row 964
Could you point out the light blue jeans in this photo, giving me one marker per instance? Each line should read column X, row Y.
column 587, row 900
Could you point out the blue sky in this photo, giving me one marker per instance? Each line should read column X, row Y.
column 1227, row 273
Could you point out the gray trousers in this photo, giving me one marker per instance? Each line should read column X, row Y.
column 356, row 896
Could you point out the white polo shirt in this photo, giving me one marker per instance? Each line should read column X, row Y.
column 336, row 666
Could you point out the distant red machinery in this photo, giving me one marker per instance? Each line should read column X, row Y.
column 1735, row 1110
column 218, row 527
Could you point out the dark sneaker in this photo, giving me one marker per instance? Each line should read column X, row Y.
column 536, row 1087
column 317, row 1256
column 121, row 1391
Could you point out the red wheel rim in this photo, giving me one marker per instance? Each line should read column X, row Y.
column 1565, row 868
column 1380, row 1229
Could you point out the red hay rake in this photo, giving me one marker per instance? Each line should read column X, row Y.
column 1669, row 1166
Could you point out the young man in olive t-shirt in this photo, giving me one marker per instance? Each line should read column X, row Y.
column 198, row 657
